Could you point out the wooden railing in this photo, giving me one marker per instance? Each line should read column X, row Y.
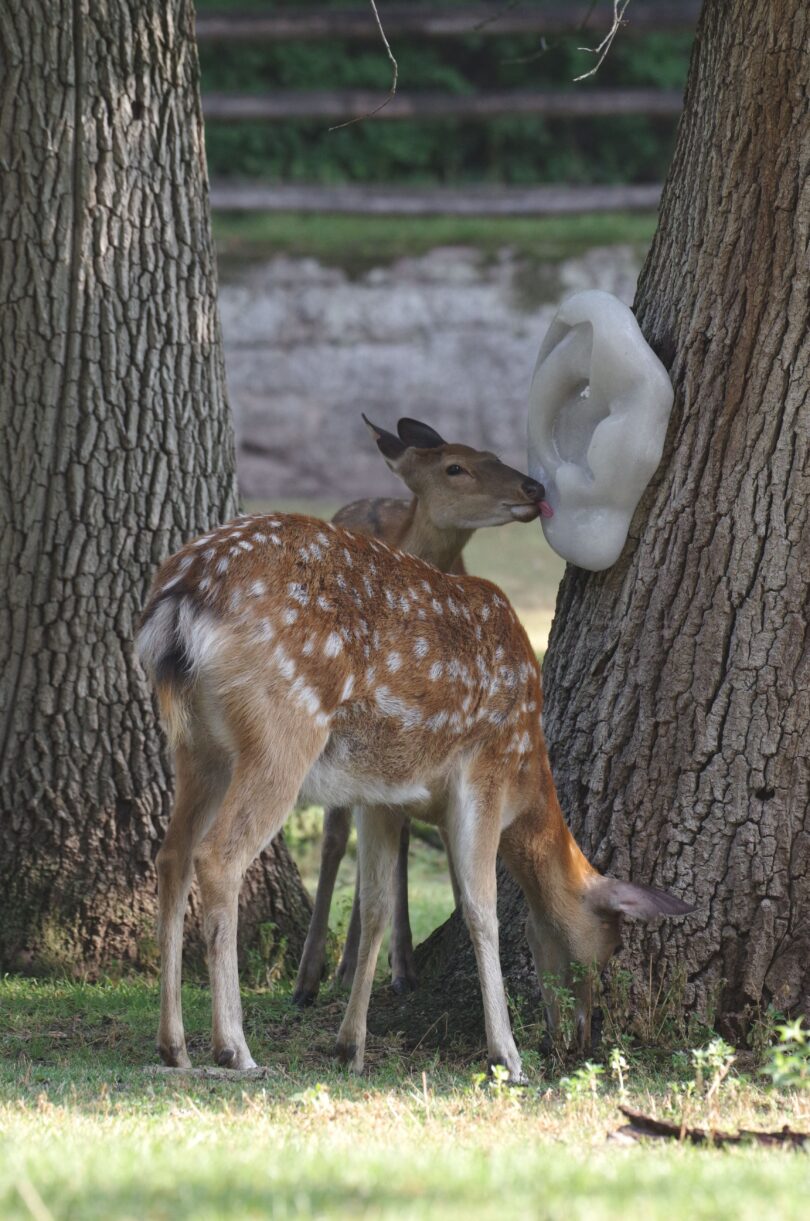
column 426, row 21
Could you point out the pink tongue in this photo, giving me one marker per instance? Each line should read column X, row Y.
column 546, row 509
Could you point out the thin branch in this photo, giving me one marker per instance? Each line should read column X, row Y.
column 619, row 7
column 395, row 73
column 482, row 25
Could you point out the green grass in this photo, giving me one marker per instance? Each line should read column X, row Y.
column 88, row 1128
column 358, row 242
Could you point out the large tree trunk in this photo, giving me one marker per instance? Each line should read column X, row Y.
column 677, row 683
column 117, row 446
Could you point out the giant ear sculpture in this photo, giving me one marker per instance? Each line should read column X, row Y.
column 598, row 412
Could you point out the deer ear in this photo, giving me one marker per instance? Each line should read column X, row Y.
column 389, row 446
column 640, row 902
column 419, row 435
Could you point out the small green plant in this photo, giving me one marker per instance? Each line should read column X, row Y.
column 266, row 961
column 788, row 1061
column 712, row 1065
column 618, row 1068
column 560, row 1000
column 583, row 1082
column 497, row 1079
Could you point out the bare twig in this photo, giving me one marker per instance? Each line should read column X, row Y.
column 619, row 8
column 482, row 25
column 395, row 73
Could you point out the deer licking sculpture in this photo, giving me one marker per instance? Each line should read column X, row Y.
column 456, row 490
column 293, row 656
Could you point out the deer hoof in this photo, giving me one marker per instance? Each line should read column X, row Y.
column 302, row 998
column 345, row 1051
column 174, row 1055
column 403, row 984
column 230, row 1057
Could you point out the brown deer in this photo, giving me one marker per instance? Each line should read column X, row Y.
column 456, row 490
column 292, row 656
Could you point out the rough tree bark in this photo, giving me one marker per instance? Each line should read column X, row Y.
column 117, row 446
column 677, row 683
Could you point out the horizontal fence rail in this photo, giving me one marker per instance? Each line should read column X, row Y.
column 428, row 22
column 551, row 200
column 339, row 105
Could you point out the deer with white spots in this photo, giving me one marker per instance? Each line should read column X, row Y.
column 296, row 658
column 456, row 491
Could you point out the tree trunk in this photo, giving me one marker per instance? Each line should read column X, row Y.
column 118, row 446
column 677, row 683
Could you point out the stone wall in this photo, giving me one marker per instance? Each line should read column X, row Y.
column 450, row 337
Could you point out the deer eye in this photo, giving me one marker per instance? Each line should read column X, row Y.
column 455, row 469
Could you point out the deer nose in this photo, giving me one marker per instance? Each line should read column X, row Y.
column 532, row 490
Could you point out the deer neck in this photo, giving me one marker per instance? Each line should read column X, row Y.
column 438, row 545
column 545, row 859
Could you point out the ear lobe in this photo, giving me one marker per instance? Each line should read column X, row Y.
column 389, row 446
column 609, row 895
column 419, row 435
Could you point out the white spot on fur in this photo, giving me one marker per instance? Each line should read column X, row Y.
column 437, row 606
column 274, row 538
column 390, row 705
column 333, row 645
column 348, row 557
column 258, row 589
column 437, row 721
column 245, row 545
column 324, row 604
column 283, row 662
column 222, row 566
column 260, row 538
column 393, row 662
column 306, row 696
column 421, row 647
column 265, row 630
column 436, row 670
column 348, row 687
column 298, row 593
column 289, row 616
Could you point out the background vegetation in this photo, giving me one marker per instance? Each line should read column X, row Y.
column 516, row 150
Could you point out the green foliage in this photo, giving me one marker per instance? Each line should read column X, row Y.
column 788, row 1061
column 518, row 150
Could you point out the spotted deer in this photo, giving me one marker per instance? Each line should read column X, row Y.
column 296, row 658
column 456, row 490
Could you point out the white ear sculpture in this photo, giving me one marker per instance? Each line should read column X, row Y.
column 598, row 412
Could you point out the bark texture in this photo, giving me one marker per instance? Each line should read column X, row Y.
column 117, row 446
column 677, row 683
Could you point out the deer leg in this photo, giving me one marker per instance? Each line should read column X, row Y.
column 403, row 967
column 378, row 836
column 202, row 778
column 256, row 805
column 451, row 867
column 344, row 976
column 474, row 846
column 337, row 824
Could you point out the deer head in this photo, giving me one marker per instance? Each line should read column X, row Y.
column 458, row 486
